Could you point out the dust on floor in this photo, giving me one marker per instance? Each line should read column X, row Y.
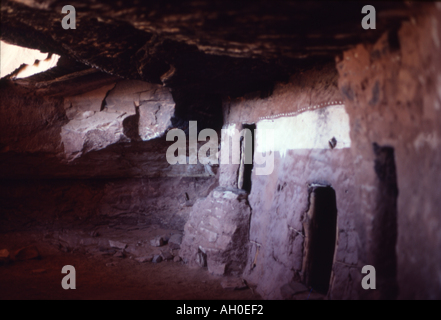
column 103, row 276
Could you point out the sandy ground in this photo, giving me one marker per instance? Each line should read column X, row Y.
column 127, row 279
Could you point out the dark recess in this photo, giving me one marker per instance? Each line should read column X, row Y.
column 385, row 223
column 206, row 109
column 322, row 236
column 248, row 168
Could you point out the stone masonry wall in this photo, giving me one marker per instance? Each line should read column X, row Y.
column 393, row 95
column 304, row 155
column 384, row 174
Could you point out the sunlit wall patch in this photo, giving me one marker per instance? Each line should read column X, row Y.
column 23, row 62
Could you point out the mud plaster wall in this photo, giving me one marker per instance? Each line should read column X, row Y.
column 312, row 91
column 303, row 157
column 279, row 200
column 393, row 96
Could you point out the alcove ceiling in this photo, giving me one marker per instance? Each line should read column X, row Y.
column 220, row 47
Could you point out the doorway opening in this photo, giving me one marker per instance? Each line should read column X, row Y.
column 385, row 230
column 247, row 157
column 320, row 226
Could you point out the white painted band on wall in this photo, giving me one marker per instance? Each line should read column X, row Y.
column 309, row 130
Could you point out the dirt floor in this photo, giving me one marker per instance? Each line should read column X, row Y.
column 103, row 276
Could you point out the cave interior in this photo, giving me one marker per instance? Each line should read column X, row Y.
column 226, row 149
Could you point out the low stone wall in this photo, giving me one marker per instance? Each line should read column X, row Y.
column 217, row 232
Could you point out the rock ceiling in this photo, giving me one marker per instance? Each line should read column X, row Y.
column 220, row 47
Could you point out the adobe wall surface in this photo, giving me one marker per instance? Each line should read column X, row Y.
column 302, row 157
column 384, row 175
column 393, row 96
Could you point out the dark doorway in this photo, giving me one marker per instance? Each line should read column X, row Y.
column 385, row 223
column 320, row 230
column 247, row 144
